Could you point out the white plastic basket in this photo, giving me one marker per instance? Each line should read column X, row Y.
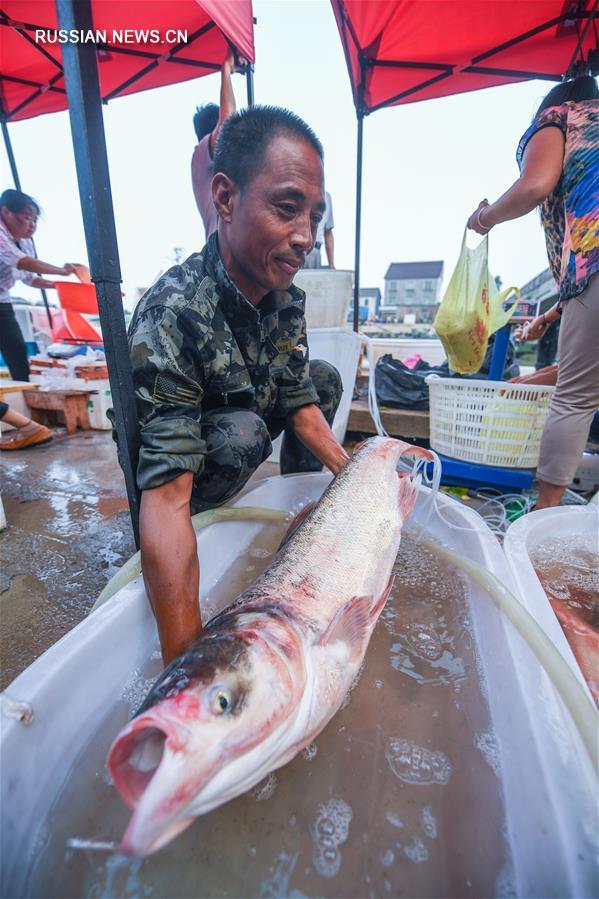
column 488, row 422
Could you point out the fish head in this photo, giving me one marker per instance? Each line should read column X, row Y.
column 189, row 747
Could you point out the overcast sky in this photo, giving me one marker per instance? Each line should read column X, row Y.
column 426, row 165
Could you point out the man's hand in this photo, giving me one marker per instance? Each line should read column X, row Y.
column 170, row 564
column 230, row 66
column 312, row 429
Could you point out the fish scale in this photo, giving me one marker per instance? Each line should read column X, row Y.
column 268, row 673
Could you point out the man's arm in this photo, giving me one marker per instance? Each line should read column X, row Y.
column 227, row 97
column 170, row 563
column 310, row 425
column 329, row 242
column 42, row 283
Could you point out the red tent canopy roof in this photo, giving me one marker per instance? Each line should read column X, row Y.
column 401, row 51
column 31, row 79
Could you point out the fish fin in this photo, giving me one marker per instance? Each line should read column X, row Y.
column 351, row 623
column 299, row 518
column 382, row 600
column 408, row 494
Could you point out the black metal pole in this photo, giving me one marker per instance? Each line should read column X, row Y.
column 17, row 181
column 249, row 80
column 87, row 128
column 360, row 116
column 11, row 156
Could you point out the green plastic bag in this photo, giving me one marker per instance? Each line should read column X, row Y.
column 471, row 309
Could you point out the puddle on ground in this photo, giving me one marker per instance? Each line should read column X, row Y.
column 568, row 568
column 68, row 532
column 397, row 796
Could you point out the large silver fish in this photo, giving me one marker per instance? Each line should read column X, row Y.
column 269, row 672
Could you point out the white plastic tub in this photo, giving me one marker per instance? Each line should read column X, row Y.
column 431, row 349
column 98, row 404
column 564, row 522
column 547, row 785
column 328, row 295
column 341, row 348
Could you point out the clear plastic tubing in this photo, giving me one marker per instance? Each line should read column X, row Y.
column 583, row 712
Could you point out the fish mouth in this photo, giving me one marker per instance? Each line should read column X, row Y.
column 134, row 761
column 135, row 757
column 134, row 843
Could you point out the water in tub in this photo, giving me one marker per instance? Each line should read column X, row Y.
column 568, row 568
column 399, row 795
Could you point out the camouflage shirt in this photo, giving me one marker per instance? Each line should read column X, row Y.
column 196, row 343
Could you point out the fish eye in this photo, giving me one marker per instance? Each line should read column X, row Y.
column 222, row 701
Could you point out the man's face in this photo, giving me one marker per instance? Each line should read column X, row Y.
column 271, row 224
column 20, row 224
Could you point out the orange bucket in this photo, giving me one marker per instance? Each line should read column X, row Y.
column 77, row 297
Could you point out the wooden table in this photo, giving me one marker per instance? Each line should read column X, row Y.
column 407, row 423
column 72, row 404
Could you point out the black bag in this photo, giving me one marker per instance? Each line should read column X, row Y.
column 403, row 387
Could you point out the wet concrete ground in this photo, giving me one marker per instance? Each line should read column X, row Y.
column 68, row 532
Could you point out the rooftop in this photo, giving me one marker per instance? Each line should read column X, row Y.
column 404, row 271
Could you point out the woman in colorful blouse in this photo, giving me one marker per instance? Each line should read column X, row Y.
column 558, row 158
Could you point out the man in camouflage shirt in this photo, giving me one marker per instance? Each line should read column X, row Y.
column 220, row 357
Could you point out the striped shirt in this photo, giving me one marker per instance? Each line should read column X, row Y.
column 11, row 252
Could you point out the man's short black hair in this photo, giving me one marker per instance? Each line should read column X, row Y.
column 245, row 136
column 205, row 119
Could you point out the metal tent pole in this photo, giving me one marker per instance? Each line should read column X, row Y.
column 87, row 128
column 17, row 181
column 249, row 79
column 360, row 116
column 11, row 156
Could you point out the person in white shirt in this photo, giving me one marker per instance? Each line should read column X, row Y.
column 324, row 235
column 18, row 221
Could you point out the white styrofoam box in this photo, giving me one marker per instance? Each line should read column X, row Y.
column 98, row 404
column 341, row 348
column 402, row 348
column 488, row 422
column 23, row 317
column 328, row 295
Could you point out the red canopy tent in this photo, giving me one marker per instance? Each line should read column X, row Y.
column 38, row 77
column 139, row 46
column 402, row 51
